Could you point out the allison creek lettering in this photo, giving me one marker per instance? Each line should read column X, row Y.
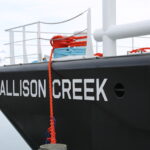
column 72, row 89
column 25, row 88
column 80, row 89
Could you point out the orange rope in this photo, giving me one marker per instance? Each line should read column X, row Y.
column 61, row 41
column 58, row 42
column 140, row 50
column 51, row 129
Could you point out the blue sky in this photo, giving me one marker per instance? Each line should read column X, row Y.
column 18, row 12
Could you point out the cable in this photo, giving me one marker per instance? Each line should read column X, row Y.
column 67, row 37
column 65, row 20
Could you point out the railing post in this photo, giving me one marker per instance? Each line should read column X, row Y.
column 11, row 41
column 39, row 52
column 89, row 48
column 25, row 59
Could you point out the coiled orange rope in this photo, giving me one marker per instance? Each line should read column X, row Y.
column 61, row 41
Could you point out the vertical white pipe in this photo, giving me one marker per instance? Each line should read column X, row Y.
column 25, row 59
column 96, row 51
column 109, row 19
column 89, row 48
column 11, row 41
column 132, row 43
column 39, row 52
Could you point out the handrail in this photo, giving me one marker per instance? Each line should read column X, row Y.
column 52, row 23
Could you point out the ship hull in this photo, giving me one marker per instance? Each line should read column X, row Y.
column 98, row 103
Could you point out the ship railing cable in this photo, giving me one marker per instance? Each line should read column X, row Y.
column 40, row 39
column 64, row 21
column 77, row 33
column 42, row 22
column 32, row 39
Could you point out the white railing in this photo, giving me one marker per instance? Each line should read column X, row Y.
column 38, row 38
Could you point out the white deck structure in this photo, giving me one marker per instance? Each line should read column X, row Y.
column 112, row 32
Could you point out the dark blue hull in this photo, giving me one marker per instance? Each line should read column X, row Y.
column 98, row 103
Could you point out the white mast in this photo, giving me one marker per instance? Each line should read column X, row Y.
column 89, row 49
column 109, row 19
column 111, row 32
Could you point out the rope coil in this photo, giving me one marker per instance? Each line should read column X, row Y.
column 65, row 20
